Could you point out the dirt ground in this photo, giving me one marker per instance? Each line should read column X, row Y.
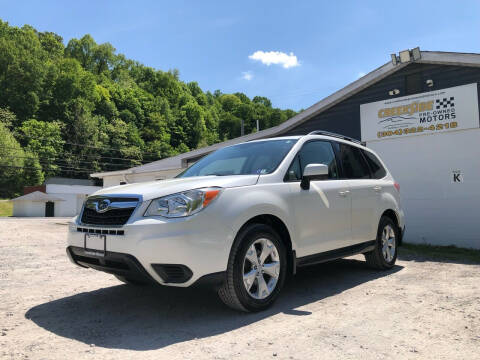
column 51, row 309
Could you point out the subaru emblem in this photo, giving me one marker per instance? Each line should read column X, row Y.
column 102, row 206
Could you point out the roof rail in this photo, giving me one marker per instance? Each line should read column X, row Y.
column 327, row 133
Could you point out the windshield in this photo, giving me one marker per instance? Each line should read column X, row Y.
column 260, row 157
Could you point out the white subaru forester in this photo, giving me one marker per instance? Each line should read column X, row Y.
column 244, row 217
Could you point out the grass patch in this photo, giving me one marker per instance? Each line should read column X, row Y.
column 432, row 252
column 6, row 208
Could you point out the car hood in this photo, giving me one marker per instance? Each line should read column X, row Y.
column 154, row 189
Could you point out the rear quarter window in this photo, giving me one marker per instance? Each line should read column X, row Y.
column 378, row 171
column 353, row 162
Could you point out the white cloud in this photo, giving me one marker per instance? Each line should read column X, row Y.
column 275, row 57
column 361, row 74
column 247, row 75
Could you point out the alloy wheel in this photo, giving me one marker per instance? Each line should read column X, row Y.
column 388, row 243
column 261, row 268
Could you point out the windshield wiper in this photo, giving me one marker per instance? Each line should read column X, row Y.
column 217, row 174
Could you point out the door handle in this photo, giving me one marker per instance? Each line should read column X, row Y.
column 344, row 193
column 377, row 188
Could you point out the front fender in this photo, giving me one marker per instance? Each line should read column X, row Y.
column 259, row 200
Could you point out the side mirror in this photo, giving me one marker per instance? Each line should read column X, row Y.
column 313, row 172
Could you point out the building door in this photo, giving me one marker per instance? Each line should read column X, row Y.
column 49, row 209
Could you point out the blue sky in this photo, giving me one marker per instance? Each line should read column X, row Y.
column 227, row 45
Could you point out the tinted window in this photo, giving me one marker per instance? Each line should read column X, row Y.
column 313, row 152
column 353, row 163
column 259, row 157
column 378, row 171
column 294, row 173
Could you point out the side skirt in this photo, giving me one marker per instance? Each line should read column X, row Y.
column 336, row 254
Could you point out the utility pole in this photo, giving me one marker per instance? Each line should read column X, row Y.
column 242, row 129
column 258, row 125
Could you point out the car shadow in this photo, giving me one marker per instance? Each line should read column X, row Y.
column 147, row 318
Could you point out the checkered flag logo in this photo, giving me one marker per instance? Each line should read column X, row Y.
column 445, row 103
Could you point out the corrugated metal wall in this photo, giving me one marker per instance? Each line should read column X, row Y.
column 344, row 118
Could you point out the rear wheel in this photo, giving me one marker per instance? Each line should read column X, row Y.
column 385, row 253
column 256, row 269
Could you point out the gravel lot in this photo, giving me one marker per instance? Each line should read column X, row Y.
column 51, row 309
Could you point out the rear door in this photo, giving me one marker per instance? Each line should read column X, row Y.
column 362, row 191
column 322, row 213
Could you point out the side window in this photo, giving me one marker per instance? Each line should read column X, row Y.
column 378, row 171
column 294, row 173
column 353, row 162
column 313, row 152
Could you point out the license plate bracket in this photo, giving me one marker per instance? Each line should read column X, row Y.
column 95, row 244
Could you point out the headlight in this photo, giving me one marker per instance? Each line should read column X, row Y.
column 182, row 204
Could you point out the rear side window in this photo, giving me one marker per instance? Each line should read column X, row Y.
column 313, row 152
column 353, row 163
column 378, row 171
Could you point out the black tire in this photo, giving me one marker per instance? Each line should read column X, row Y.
column 233, row 292
column 376, row 258
column 130, row 281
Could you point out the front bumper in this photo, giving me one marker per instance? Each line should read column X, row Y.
column 148, row 247
column 112, row 263
column 129, row 267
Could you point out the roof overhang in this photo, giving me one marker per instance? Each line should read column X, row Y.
column 38, row 196
column 429, row 57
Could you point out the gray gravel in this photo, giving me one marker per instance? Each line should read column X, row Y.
column 50, row 309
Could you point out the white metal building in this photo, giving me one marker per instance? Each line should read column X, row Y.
column 419, row 111
column 58, row 197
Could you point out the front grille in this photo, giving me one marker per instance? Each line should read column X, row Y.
column 119, row 211
column 111, row 217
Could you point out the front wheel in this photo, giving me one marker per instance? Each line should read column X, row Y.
column 385, row 253
column 256, row 269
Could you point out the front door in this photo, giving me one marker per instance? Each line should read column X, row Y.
column 323, row 212
column 49, row 209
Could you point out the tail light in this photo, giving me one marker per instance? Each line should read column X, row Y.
column 397, row 186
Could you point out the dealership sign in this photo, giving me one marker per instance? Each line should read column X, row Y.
column 433, row 112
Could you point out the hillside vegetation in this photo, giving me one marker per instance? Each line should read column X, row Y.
column 80, row 108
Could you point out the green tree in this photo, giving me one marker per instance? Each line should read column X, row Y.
column 23, row 65
column 17, row 168
column 95, row 106
column 7, row 118
column 44, row 140
column 193, row 123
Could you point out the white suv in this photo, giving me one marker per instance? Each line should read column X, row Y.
column 244, row 217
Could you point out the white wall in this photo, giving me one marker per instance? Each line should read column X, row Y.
column 71, row 189
column 438, row 211
column 28, row 208
column 115, row 180
column 73, row 196
column 112, row 181
column 80, row 200
column 67, row 207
